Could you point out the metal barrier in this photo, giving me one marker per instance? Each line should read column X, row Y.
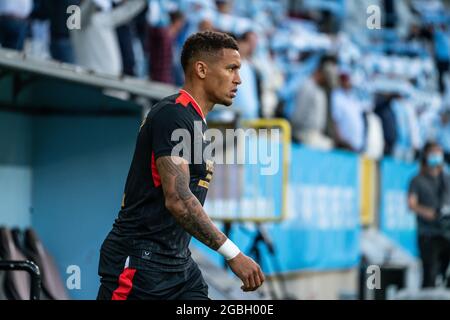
column 31, row 268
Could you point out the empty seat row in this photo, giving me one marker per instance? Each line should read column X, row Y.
column 16, row 245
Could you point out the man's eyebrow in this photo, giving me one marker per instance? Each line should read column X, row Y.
column 233, row 65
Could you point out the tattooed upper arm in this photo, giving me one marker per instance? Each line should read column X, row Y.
column 174, row 173
column 185, row 207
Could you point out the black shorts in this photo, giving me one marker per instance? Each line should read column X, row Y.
column 150, row 283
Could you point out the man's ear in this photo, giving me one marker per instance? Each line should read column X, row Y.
column 201, row 69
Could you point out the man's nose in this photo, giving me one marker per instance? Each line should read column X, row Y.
column 237, row 79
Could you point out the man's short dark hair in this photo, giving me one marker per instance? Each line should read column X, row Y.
column 205, row 43
column 176, row 16
column 246, row 35
column 327, row 58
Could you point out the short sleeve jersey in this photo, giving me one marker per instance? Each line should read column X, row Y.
column 174, row 126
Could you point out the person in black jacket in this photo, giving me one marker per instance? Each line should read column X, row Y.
column 384, row 110
column 56, row 12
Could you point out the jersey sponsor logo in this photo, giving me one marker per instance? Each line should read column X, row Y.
column 204, row 184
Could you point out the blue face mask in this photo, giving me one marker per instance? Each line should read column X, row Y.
column 435, row 159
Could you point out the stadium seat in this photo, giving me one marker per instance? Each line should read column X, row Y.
column 52, row 283
column 16, row 283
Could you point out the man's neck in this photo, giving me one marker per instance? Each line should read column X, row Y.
column 317, row 80
column 433, row 172
column 200, row 97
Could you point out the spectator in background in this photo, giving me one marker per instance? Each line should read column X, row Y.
column 390, row 13
column 140, row 22
column 272, row 82
column 161, row 48
column 14, row 22
column 125, row 35
column 96, row 44
column 248, row 99
column 140, row 46
column 224, row 6
column 205, row 25
column 383, row 109
column 442, row 126
column 328, row 22
column 348, row 116
column 418, row 34
column 427, row 197
column 374, row 142
column 408, row 142
column 441, row 53
column 55, row 11
column 309, row 118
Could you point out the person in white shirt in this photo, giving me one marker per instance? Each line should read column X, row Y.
column 247, row 101
column 348, row 116
column 309, row 119
column 96, row 44
column 14, row 22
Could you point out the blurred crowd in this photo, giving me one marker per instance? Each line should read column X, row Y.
column 341, row 81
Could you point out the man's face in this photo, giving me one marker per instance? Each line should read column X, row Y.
column 253, row 42
column 435, row 158
column 222, row 78
column 206, row 25
column 330, row 75
column 345, row 82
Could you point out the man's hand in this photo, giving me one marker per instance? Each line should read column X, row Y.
column 248, row 271
column 426, row 213
column 429, row 215
column 189, row 213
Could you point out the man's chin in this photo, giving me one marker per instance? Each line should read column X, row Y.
column 227, row 102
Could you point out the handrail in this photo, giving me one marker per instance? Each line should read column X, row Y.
column 29, row 267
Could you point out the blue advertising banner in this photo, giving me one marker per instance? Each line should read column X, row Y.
column 396, row 220
column 322, row 229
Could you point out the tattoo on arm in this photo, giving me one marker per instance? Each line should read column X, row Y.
column 189, row 213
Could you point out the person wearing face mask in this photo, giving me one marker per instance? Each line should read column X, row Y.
column 428, row 198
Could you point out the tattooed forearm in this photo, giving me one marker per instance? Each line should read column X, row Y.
column 185, row 207
column 195, row 221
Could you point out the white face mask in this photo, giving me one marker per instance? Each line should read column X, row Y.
column 435, row 159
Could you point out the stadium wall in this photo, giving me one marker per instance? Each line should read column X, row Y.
column 15, row 170
column 79, row 170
